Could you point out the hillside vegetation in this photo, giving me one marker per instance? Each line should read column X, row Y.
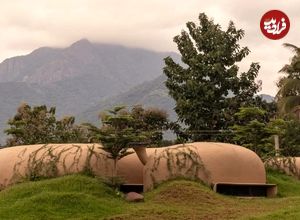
column 75, row 78
column 82, row 197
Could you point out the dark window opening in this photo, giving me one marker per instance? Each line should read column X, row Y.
column 245, row 190
column 126, row 188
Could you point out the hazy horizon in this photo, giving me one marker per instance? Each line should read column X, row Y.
column 29, row 25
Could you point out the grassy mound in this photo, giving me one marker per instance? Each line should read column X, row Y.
column 287, row 186
column 82, row 197
column 61, row 198
column 182, row 191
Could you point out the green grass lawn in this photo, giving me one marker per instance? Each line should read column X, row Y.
column 82, row 197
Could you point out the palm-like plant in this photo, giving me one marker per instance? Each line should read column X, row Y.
column 288, row 96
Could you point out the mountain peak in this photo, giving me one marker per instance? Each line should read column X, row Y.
column 81, row 43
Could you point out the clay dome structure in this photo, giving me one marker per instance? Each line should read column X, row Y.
column 227, row 168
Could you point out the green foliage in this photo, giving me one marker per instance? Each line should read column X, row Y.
column 290, row 138
column 122, row 129
column 115, row 133
column 250, row 113
column 38, row 125
column 208, row 88
column 151, row 122
column 293, row 68
column 288, row 130
column 66, row 131
column 251, row 130
column 31, row 125
column 288, row 96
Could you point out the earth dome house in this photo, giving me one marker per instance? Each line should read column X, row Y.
column 228, row 169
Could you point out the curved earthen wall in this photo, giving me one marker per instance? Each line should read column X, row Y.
column 33, row 161
column 206, row 161
column 289, row 165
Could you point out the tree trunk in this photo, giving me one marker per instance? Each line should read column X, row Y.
column 114, row 174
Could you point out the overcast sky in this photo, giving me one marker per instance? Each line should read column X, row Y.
column 28, row 24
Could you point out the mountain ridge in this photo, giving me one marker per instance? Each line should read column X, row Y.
column 149, row 94
column 76, row 77
column 83, row 79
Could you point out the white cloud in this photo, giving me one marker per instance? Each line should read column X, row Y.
column 28, row 24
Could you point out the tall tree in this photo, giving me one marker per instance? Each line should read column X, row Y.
column 288, row 96
column 38, row 125
column 290, row 140
column 207, row 87
column 31, row 125
column 251, row 130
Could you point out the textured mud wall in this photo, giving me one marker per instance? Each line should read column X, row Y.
column 38, row 161
column 204, row 161
column 289, row 165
